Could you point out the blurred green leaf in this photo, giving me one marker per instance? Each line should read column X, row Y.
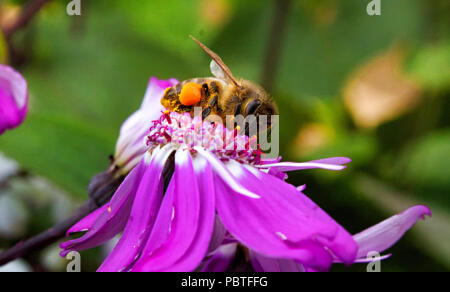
column 3, row 49
column 68, row 151
column 317, row 60
column 425, row 164
column 170, row 22
column 361, row 148
column 430, row 66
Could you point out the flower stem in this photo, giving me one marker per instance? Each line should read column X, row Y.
column 48, row 237
column 30, row 10
column 273, row 52
column 101, row 189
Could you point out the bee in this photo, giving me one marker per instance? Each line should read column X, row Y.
column 221, row 95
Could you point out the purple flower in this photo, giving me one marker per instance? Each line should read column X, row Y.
column 200, row 191
column 13, row 98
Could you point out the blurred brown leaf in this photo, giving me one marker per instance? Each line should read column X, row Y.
column 9, row 13
column 380, row 91
column 216, row 12
column 322, row 13
column 312, row 137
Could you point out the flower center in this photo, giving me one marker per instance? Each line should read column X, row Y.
column 182, row 131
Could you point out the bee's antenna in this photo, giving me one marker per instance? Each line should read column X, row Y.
column 218, row 60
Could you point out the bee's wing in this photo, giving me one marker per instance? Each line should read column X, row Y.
column 217, row 71
column 224, row 70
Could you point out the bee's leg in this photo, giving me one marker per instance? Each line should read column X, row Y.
column 170, row 98
column 212, row 104
column 214, row 88
column 246, row 130
column 206, row 112
column 213, row 101
column 251, row 126
column 206, row 91
column 178, row 88
column 212, row 95
column 237, row 109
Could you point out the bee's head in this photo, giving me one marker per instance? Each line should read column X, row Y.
column 257, row 102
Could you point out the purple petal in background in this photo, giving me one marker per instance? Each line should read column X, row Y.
column 218, row 235
column 13, row 98
column 221, row 259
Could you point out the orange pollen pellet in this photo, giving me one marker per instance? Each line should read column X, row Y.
column 190, row 94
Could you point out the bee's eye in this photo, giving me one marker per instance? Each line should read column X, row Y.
column 252, row 106
column 190, row 94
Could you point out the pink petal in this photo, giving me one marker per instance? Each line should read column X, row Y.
column 220, row 169
column 261, row 264
column 143, row 213
column 283, row 223
column 199, row 247
column 155, row 90
column 334, row 163
column 192, row 224
column 278, row 174
column 113, row 218
column 385, row 234
column 271, row 160
column 87, row 222
column 161, row 229
column 334, row 160
column 301, row 188
column 369, row 260
column 13, row 98
column 218, row 235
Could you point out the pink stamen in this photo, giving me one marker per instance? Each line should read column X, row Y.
column 189, row 132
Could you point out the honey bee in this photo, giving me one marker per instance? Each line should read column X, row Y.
column 221, row 95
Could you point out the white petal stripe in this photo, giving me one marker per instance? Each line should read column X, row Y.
column 290, row 166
